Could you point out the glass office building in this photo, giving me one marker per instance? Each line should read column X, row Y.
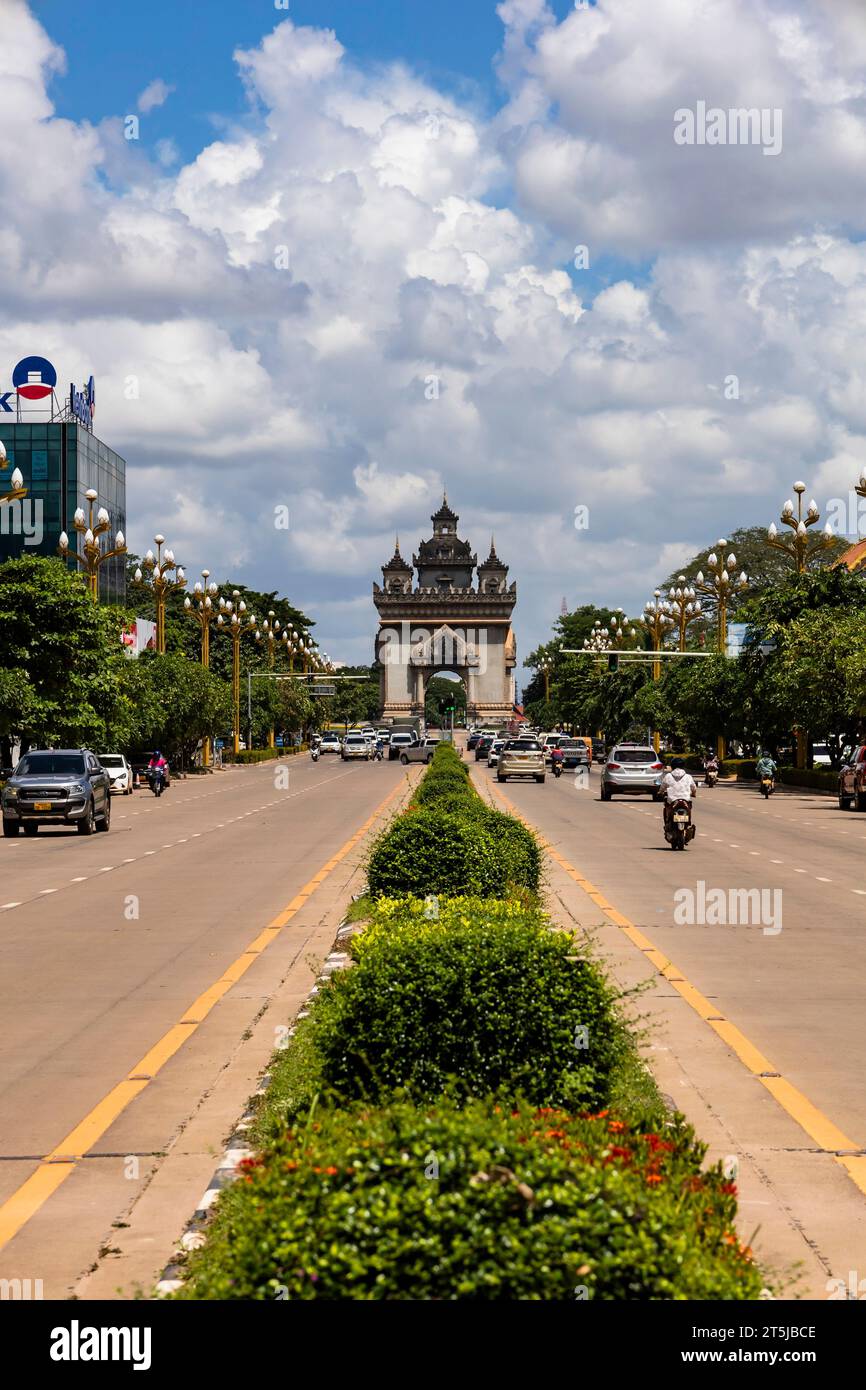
column 59, row 463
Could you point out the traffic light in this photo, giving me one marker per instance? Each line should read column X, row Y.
column 613, row 662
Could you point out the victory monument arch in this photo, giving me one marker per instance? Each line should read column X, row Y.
column 446, row 622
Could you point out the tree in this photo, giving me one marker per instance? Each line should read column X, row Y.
column 184, row 703
column 62, row 657
column 440, row 695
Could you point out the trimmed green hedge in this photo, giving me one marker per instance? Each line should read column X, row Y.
column 446, row 1202
column 263, row 755
column 482, row 999
column 820, row 778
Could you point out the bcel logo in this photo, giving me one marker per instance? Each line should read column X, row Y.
column 34, row 378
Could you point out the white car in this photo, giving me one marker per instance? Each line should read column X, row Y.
column 355, row 745
column 119, row 772
column 820, row 755
column 330, row 743
column 494, row 750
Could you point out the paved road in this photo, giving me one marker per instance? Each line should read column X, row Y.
column 796, row 993
column 106, row 941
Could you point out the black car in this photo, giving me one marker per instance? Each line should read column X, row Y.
column 57, row 786
column 482, row 747
column 473, row 740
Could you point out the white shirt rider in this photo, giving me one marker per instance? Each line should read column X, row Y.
column 679, row 785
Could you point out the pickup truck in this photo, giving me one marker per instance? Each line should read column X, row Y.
column 852, row 779
column 419, row 752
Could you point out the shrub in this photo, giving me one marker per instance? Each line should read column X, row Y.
column 516, row 847
column 820, row 778
column 447, row 1203
column 431, row 852
column 431, row 789
column 476, row 1002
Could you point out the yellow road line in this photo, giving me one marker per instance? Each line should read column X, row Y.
column 816, row 1124
column 57, row 1165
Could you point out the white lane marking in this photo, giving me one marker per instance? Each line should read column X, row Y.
column 754, row 851
column 4, row 906
column 861, row 891
column 799, row 871
column 43, row 891
column 819, row 879
column 82, row 878
column 129, row 861
column 106, row 869
column 150, row 851
column 733, row 846
column 777, row 861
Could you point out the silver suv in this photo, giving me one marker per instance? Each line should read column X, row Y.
column 632, row 768
column 57, row 786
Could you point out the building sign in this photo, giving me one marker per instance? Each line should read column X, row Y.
column 83, row 403
column 33, row 384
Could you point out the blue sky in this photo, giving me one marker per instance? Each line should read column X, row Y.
column 114, row 50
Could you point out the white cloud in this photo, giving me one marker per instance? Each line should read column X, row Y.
column 155, row 94
column 339, row 307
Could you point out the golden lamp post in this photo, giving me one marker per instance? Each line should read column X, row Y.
column 274, row 638
column 201, row 607
column 801, row 547
column 165, row 576
column 233, row 621
column 658, row 620
column 684, row 606
column 94, row 555
column 719, row 584
column 17, row 490
column 545, row 666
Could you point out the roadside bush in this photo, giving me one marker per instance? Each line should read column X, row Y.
column 820, row 778
column 432, row 852
column 516, row 847
column 475, row 1002
column 448, row 1203
column 446, row 783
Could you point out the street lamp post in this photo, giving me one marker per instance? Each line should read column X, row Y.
column 720, row 584
column 800, row 547
column 233, row 621
column 94, row 555
column 17, row 490
column 545, row 666
column 685, row 607
column 163, row 581
column 271, row 634
column 201, row 607
column 658, row 621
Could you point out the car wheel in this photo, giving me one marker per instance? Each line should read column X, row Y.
column 105, row 822
column 11, row 828
column 404, row 760
column 86, row 824
column 31, row 827
column 605, row 794
column 500, row 777
column 540, row 778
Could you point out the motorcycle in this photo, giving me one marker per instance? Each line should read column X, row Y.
column 679, row 830
column 556, row 757
column 156, row 779
column 711, row 776
column 768, row 786
column 314, row 754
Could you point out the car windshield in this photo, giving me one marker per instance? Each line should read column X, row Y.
column 820, row 750
column 51, row 764
column 634, row 755
column 524, row 745
column 355, row 738
column 111, row 759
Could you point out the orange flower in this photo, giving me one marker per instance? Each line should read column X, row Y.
column 616, row 1127
column 653, row 1178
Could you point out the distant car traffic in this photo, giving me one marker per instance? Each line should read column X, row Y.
column 421, row 752
column 63, row 786
column 330, row 742
column 483, row 746
column 356, row 746
column 521, row 757
column 400, row 741
column 574, row 751
column 630, row 770
column 852, row 779
column 496, row 747
column 119, row 771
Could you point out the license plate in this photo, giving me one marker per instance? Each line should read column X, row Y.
column 42, row 805
column 681, row 820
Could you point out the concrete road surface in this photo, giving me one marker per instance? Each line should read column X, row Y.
column 131, row 966
column 781, row 991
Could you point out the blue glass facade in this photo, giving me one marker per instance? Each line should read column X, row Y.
column 59, row 463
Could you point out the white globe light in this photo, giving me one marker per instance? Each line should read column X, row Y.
column 64, row 541
column 78, row 517
column 771, row 532
column 120, row 541
column 138, row 578
column 88, row 537
column 17, row 478
column 187, row 603
column 102, row 516
column 2, row 452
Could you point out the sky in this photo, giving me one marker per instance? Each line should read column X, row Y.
column 325, row 258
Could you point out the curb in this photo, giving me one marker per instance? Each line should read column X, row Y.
column 237, row 1149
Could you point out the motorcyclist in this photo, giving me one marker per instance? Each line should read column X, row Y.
column 158, row 764
column 677, row 785
column 711, row 763
column 765, row 767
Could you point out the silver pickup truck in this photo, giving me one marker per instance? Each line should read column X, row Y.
column 419, row 752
